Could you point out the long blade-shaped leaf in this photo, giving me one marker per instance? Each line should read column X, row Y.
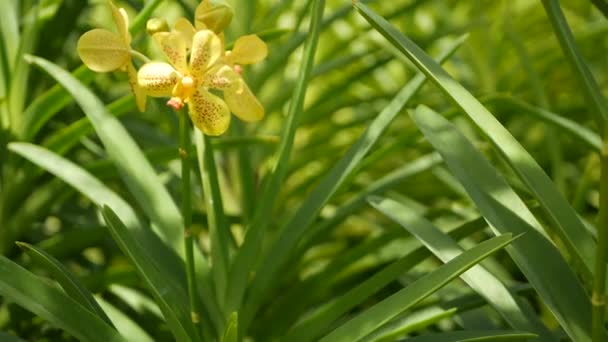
column 136, row 171
column 377, row 315
column 483, row 282
column 570, row 228
column 293, row 229
column 250, row 249
column 475, row 336
column 70, row 284
column 172, row 299
column 37, row 295
column 537, row 258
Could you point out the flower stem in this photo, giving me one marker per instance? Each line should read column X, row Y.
column 184, row 138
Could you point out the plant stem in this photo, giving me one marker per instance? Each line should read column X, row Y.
column 599, row 281
column 184, row 142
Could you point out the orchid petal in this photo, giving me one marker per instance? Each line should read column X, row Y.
column 242, row 102
column 121, row 19
column 103, row 51
column 220, row 77
column 138, row 92
column 208, row 112
column 157, row 79
column 248, row 49
column 174, row 47
column 206, row 51
column 184, row 27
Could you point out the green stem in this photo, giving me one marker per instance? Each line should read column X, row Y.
column 184, row 142
column 598, row 300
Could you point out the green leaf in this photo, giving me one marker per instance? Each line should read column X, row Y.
column 570, row 228
column 507, row 303
column 124, row 324
column 171, row 298
column 590, row 88
column 136, row 171
column 293, row 229
column 232, row 330
column 316, row 324
column 39, row 296
column 536, row 256
column 475, row 336
column 576, row 130
column 381, row 313
column 70, row 284
column 249, row 251
column 101, row 195
column 46, row 105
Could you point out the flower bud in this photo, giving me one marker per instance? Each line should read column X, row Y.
column 215, row 15
column 156, row 25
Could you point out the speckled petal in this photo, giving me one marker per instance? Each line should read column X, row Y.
column 157, row 79
column 174, row 47
column 184, row 27
column 248, row 50
column 220, row 76
column 103, row 51
column 206, row 51
column 138, row 92
column 121, row 19
column 209, row 113
column 243, row 103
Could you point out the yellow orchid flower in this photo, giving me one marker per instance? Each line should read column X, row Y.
column 189, row 83
column 104, row 51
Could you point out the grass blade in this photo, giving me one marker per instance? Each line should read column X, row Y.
column 249, row 251
column 39, row 296
column 570, row 228
column 136, row 171
column 70, row 284
column 293, row 229
column 478, row 278
column 377, row 315
column 171, row 298
column 537, row 258
column 475, row 336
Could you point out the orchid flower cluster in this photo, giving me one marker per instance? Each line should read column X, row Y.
column 199, row 66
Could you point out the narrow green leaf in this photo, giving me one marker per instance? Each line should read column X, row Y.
column 293, row 229
column 70, row 284
column 172, row 299
column 535, row 255
column 136, row 171
column 249, row 251
column 511, row 308
column 39, row 296
column 576, row 130
column 570, row 228
column 124, row 324
column 475, row 336
column 232, row 331
column 317, row 323
column 46, row 105
column 590, row 88
column 377, row 315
